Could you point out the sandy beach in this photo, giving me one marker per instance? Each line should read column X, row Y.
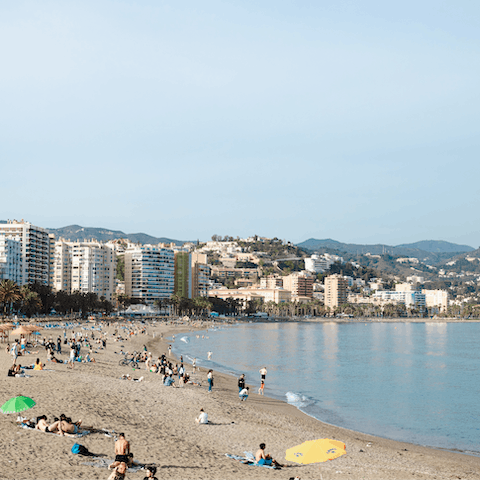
column 159, row 423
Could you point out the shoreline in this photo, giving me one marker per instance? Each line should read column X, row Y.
column 159, row 423
column 299, row 409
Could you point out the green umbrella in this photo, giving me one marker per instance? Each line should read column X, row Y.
column 17, row 405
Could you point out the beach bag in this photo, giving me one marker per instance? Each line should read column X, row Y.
column 78, row 449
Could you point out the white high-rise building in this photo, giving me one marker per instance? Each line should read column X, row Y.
column 149, row 273
column 33, row 265
column 10, row 259
column 321, row 263
column 86, row 267
column 437, row 300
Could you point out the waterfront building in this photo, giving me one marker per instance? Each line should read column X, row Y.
column 277, row 295
column 335, row 291
column 86, row 267
column 436, row 300
column 183, row 275
column 299, row 284
column 200, row 275
column 149, row 273
column 34, row 244
column 10, row 259
column 191, row 274
column 408, row 298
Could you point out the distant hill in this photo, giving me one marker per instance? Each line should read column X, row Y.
column 419, row 249
column 76, row 232
column 438, row 246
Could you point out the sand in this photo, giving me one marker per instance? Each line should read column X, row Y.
column 159, row 423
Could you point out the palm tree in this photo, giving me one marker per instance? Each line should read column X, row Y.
column 31, row 302
column 9, row 293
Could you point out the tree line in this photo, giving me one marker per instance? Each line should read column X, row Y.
column 38, row 299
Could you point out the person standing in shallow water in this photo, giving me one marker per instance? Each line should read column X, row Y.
column 263, row 373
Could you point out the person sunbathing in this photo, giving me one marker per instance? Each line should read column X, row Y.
column 119, row 470
column 65, row 426
column 42, row 424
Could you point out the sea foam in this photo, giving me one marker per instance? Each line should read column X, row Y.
column 298, row 400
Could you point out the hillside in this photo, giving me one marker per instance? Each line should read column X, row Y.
column 438, row 246
column 434, row 251
column 76, row 232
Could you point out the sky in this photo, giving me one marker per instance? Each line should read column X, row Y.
column 357, row 121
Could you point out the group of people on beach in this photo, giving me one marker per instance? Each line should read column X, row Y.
column 243, row 390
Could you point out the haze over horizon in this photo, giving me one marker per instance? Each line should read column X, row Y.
column 331, row 119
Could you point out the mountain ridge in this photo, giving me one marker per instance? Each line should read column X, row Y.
column 77, row 232
column 423, row 247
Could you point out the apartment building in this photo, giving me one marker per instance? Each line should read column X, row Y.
column 299, row 284
column 436, row 300
column 86, row 267
column 409, row 298
column 191, row 274
column 34, row 245
column 149, row 273
column 277, row 295
column 335, row 291
column 321, row 263
column 10, row 259
column 272, row 281
column 200, row 275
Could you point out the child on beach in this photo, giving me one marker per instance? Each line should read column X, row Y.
column 262, row 386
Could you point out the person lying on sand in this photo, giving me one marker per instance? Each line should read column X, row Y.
column 263, row 458
column 42, row 423
column 65, row 426
column 119, row 471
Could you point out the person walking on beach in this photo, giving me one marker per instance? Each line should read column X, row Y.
column 210, row 380
column 263, row 373
column 241, row 382
column 209, row 355
column 194, row 365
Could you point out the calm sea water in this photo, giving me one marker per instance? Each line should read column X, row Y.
column 414, row 382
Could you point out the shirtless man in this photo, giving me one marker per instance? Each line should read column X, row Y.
column 42, row 423
column 265, row 459
column 122, row 450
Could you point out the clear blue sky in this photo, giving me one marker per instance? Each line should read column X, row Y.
column 357, row 121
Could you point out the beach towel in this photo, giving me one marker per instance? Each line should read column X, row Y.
column 104, row 463
column 76, row 435
column 249, row 459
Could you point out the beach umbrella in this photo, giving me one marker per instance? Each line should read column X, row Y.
column 7, row 326
column 22, row 330
column 315, row 451
column 17, row 405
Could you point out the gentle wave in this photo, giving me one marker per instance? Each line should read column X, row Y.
column 185, row 340
column 298, row 400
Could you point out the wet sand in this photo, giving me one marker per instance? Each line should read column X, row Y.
column 159, row 423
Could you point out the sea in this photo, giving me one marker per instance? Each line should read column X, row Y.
column 413, row 382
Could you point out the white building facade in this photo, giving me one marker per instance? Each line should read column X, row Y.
column 149, row 273
column 86, row 267
column 321, row 263
column 33, row 264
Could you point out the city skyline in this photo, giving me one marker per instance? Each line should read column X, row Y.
column 319, row 120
